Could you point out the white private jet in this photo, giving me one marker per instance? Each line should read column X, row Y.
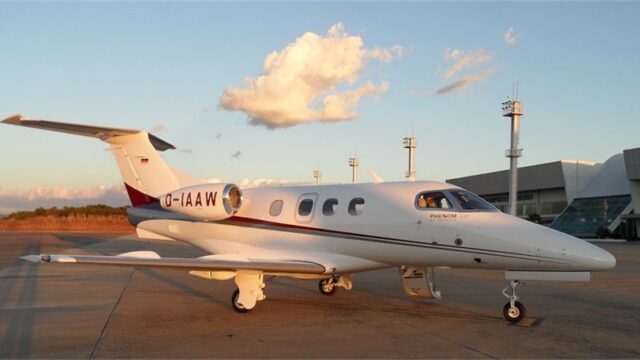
column 324, row 232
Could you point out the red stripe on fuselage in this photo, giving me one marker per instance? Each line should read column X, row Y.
column 138, row 198
column 275, row 225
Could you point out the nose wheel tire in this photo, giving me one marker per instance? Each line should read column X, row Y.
column 236, row 305
column 327, row 287
column 515, row 313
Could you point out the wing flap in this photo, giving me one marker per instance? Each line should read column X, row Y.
column 144, row 259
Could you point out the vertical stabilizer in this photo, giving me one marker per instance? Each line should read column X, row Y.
column 146, row 175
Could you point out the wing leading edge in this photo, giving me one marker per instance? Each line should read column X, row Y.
column 152, row 259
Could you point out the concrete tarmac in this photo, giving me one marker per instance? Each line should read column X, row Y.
column 88, row 311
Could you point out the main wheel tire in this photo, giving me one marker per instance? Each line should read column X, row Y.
column 326, row 287
column 515, row 314
column 237, row 306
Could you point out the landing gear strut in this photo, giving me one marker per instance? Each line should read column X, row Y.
column 513, row 311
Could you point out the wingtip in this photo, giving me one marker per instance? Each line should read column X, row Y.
column 13, row 119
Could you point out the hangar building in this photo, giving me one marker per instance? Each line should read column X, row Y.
column 580, row 198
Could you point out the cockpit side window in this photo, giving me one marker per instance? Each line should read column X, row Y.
column 470, row 201
column 433, row 200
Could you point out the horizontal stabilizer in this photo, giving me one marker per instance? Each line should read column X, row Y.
column 151, row 259
column 102, row 133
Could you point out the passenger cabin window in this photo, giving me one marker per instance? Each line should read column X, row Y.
column 330, row 206
column 433, row 200
column 276, row 208
column 356, row 206
column 470, row 201
column 305, row 207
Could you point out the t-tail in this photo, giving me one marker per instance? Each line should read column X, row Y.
column 145, row 174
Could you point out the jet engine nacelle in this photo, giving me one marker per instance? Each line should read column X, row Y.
column 207, row 202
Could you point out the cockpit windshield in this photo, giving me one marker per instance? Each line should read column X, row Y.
column 470, row 201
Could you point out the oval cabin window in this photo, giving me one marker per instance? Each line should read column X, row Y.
column 276, row 208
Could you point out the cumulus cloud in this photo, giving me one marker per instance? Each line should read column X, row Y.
column 386, row 55
column 466, row 68
column 511, row 37
column 41, row 196
column 314, row 78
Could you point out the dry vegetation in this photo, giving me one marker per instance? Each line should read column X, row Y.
column 88, row 218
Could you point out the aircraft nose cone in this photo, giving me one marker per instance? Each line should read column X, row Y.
column 597, row 259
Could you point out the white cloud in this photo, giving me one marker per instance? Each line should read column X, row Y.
column 467, row 67
column 260, row 182
column 511, row 37
column 464, row 60
column 41, row 196
column 299, row 84
column 386, row 55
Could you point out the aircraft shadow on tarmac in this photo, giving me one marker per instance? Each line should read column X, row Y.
column 19, row 333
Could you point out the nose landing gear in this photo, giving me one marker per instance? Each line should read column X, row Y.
column 513, row 311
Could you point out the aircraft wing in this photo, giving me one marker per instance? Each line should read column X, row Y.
column 206, row 263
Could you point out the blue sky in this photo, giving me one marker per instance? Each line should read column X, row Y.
column 143, row 64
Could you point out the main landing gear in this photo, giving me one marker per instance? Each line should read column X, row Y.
column 513, row 311
column 249, row 291
column 329, row 286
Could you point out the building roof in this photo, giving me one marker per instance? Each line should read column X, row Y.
column 536, row 177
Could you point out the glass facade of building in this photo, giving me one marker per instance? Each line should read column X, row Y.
column 584, row 216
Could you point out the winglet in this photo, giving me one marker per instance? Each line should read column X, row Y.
column 13, row 119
